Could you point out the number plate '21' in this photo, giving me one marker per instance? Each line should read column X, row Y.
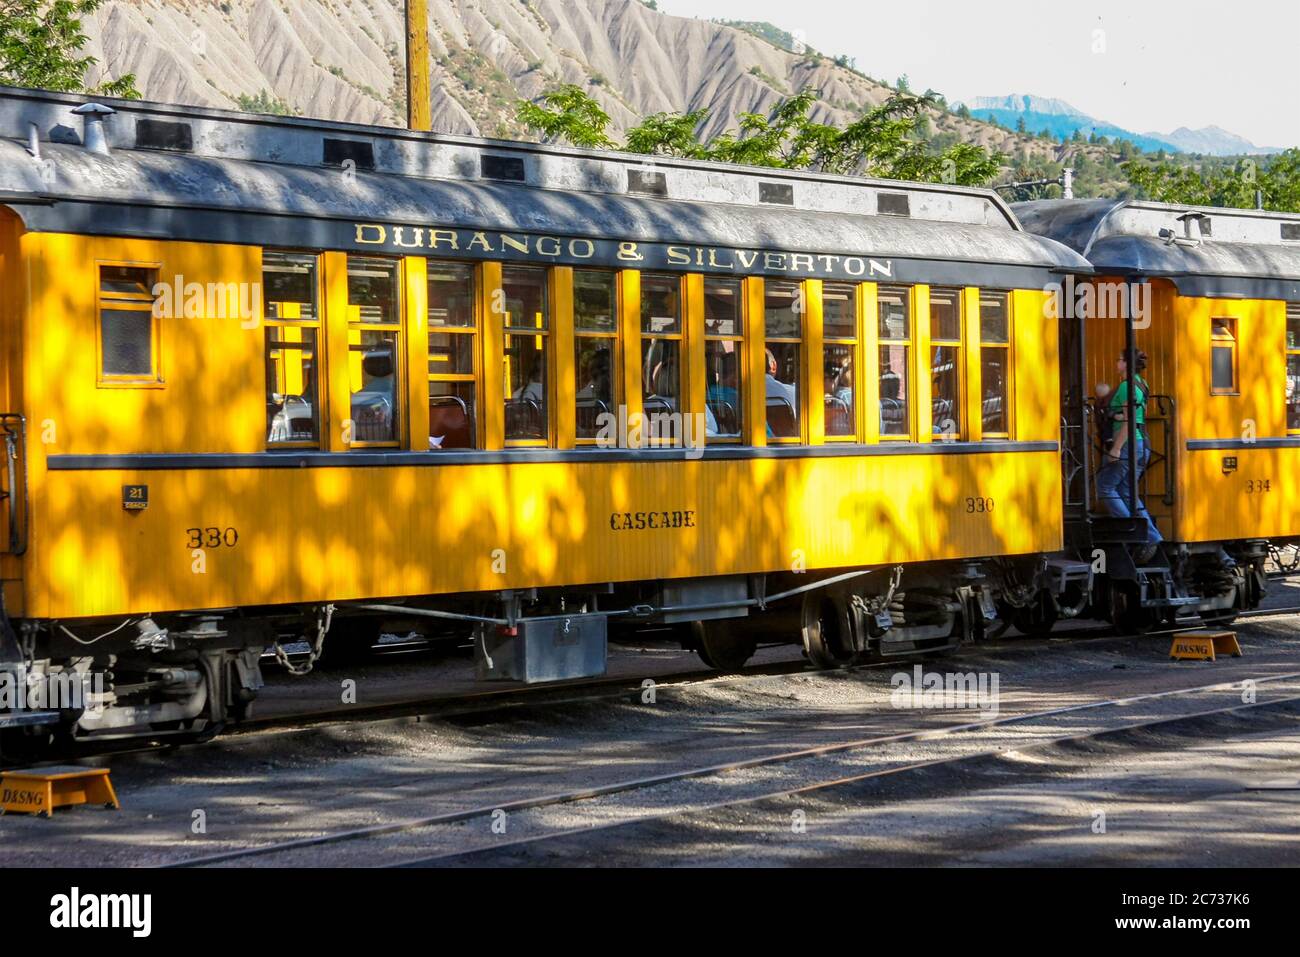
column 212, row 537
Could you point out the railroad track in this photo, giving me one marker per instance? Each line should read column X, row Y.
column 482, row 856
column 267, row 852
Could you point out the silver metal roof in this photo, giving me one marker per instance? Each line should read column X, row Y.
column 1204, row 250
column 248, row 166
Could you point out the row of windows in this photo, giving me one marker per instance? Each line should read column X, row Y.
column 603, row 376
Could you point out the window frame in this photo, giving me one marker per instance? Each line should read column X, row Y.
column 680, row 338
column 1289, row 352
column 855, row 359
column 738, row 341
column 398, row 328
column 1216, row 342
column 908, row 342
column 473, row 331
column 959, row 362
column 318, row 324
column 155, row 378
column 614, row 337
column 801, row 340
column 1008, row 399
column 547, row 333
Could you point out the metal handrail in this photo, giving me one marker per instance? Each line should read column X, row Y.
column 14, row 429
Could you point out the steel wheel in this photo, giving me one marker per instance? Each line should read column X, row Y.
column 724, row 644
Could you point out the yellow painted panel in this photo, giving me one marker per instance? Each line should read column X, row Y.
column 1260, row 499
column 352, row 533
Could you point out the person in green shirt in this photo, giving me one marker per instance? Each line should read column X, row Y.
column 1113, row 478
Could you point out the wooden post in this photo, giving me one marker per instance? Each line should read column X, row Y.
column 418, row 110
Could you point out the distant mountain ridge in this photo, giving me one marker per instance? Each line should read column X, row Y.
column 1060, row 118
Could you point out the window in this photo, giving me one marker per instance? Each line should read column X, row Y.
column 783, row 331
column 453, row 346
column 290, row 290
column 527, row 327
column 895, row 332
column 595, row 345
column 1293, row 367
column 661, row 348
column 840, row 358
column 374, row 356
column 723, row 349
column 995, row 363
column 1223, row 356
column 128, row 333
column 945, row 362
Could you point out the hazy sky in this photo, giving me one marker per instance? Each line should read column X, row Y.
column 1146, row 65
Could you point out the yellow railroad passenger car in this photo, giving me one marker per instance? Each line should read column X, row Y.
column 1212, row 297
column 272, row 376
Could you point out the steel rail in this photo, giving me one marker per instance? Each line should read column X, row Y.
column 568, row 797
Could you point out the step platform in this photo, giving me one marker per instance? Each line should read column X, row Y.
column 1204, row 645
column 40, row 790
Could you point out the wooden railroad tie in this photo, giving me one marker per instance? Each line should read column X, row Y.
column 1204, row 645
column 40, row 790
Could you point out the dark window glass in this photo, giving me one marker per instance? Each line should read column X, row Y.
column 945, row 396
column 722, row 389
column 994, row 325
column 894, row 389
column 893, row 305
column 527, row 311
column 722, row 310
column 994, row 379
column 1293, row 392
column 660, row 304
column 451, row 353
column 661, row 364
column 127, row 341
column 945, row 315
column 292, row 410
column 837, row 365
column 451, row 295
column 289, row 286
column 372, row 290
column 839, row 311
column 594, row 298
column 1223, row 348
column 595, row 364
column 783, row 390
column 782, row 310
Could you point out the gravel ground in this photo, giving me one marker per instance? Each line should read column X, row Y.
column 1211, row 792
column 274, row 786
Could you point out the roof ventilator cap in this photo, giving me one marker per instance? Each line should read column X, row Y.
column 93, row 138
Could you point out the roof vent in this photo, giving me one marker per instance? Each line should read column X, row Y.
column 509, row 168
column 781, row 194
column 1291, row 231
column 93, row 138
column 893, row 204
column 340, row 152
column 157, row 135
column 649, row 182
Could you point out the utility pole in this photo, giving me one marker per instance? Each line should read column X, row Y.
column 418, row 113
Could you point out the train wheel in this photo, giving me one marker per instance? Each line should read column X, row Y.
column 724, row 644
column 1037, row 618
column 827, row 632
column 1127, row 611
